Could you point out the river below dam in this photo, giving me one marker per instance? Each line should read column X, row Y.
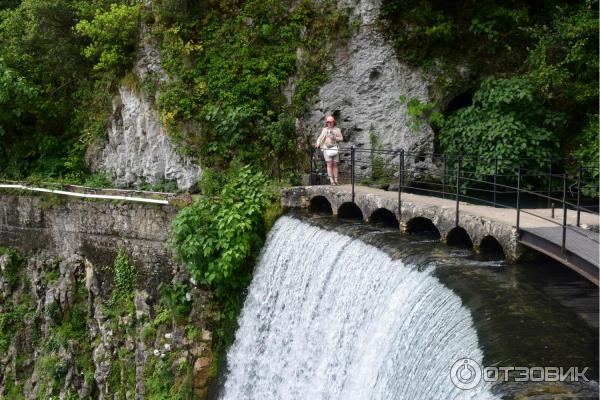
column 340, row 309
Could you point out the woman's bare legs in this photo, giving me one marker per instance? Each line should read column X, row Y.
column 334, row 170
column 330, row 166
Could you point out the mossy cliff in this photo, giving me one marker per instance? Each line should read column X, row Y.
column 91, row 305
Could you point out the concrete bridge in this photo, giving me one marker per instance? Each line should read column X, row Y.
column 485, row 228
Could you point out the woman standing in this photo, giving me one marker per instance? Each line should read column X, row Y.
column 328, row 142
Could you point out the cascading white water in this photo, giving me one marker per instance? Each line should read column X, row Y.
column 329, row 317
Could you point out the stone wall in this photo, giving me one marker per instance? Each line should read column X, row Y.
column 443, row 216
column 68, row 248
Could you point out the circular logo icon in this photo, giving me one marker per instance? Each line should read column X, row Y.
column 465, row 373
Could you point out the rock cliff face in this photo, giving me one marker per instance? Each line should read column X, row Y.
column 67, row 326
column 138, row 148
column 364, row 90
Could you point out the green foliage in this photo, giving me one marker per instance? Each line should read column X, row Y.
column 212, row 182
column 507, row 120
column 584, row 148
column 587, row 149
column 8, row 319
column 174, row 297
column 98, row 180
column 487, row 36
column 113, row 36
column 69, row 333
column 272, row 212
column 162, row 382
column 232, row 60
column 50, row 102
column 418, row 112
column 18, row 99
column 165, row 186
column 192, row 332
column 125, row 274
column 216, row 237
column 545, row 53
column 148, row 333
column 159, row 379
column 12, row 271
column 163, row 316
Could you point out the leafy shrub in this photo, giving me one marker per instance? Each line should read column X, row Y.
column 113, row 35
column 53, row 105
column 418, row 112
column 125, row 275
column 216, row 237
column 547, row 49
column 507, row 120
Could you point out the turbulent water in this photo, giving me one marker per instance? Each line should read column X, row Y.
column 330, row 317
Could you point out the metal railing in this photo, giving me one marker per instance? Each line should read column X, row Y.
column 92, row 193
column 500, row 182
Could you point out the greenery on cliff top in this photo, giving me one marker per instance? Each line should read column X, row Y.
column 526, row 73
column 231, row 63
column 228, row 62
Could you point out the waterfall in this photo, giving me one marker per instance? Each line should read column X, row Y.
column 330, row 317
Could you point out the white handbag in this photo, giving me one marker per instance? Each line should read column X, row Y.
column 331, row 152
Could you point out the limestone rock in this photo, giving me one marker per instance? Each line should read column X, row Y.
column 365, row 87
column 138, row 148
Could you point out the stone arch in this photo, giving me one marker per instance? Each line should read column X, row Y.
column 384, row 217
column 350, row 210
column 321, row 205
column 491, row 245
column 422, row 225
column 459, row 237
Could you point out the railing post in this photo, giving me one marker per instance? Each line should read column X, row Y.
column 400, row 181
column 495, row 178
column 579, row 193
column 549, row 182
column 564, row 224
column 352, row 161
column 457, row 189
column 518, row 197
column 311, row 163
column 443, row 176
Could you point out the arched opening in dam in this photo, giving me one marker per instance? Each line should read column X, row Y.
column 350, row 210
column 320, row 205
column 490, row 246
column 459, row 237
column 384, row 217
column 422, row 225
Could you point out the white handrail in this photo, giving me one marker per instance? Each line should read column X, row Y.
column 84, row 195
